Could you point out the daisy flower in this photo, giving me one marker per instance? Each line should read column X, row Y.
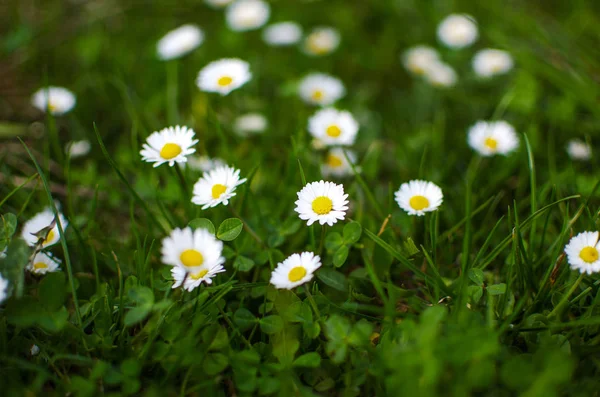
column 218, row 3
column 179, row 42
column 336, row 164
column 78, row 148
column 321, row 89
column 494, row 137
column 196, row 253
column 42, row 221
column 34, row 350
column 216, row 187
column 57, row 100
column 579, row 150
column 43, row 263
column 321, row 41
column 490, row 62
column 417, row 60
column 282, row 34
column 457, row 31
column 3, row 289
column 244, row 15
column 582, row 252
column 439, row 74
column 418, row 197
column 333, row 127
column 204, row 163
column 224, row 75
column 295, row 270
column 250, row 123
column 169, row 145
column 322, row 201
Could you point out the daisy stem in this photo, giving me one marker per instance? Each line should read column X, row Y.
column 184, row 185
column 233, row 327
column 246, row 225
column 557, row 311
column 312, row 302
column 323, row 233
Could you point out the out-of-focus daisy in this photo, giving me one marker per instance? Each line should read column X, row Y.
column 493, row 137
column 582, row 252
column 321, row 41
column 3, row 289
column 439, row 74
column 224, row 75
column 216, row 187
column 204, row 163
column 457, row 31
column 179, row 42
column 169, row 145
column 43, row 220
column 57, row 100
column 250, row 123
column 296, row 270
column 490, row 62
column 336, row 164
column 322, row 201
column 244, row 15
column 196, row 253
column 3, row 253
column 417, row 60
column 579, row 150
column 418, row 197
column 321, row 89
column 218, row 3
column 282, row 34
column 78, row 148
column 333, row 127
column 43, row 263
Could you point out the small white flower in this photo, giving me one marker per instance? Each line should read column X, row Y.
column 418, row 197
column 218, row 3
column 224, row 75
column 250, row 123
column 3, row 253
column 321, row 89
column 494, row 137
column 195, row 252
column 490, row 62
column 216, row 187
column 296, row 270
column 419, row 59
column 204, row 163
column 582, row 252
column 3, row 289
column 322, row 201
column 579, row 150
column 321, row 41
column 333, row 127
column 34, row 350
column 282, row 34
column 57, row 100
column 179, row 42
column 170, row 145
column 439, row 74
column 336, row 164
column 457, row 31
column 78, row 148
column 43, row 263
column 244, row 15
column 40, row 221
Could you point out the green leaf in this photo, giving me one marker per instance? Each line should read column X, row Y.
column 214, row 363
column 13, row 266
column 475, row 292
column 340, row 256
column 244, row 319
column 332, row 278
column 352, row 232
column 9, row 225
column 53, row 321
column 333, row 241
column 230, row 229
column 271, row 324
column 144, row 298
column 496, row 289
column 243, row 264
column 310, row 360
column 337, row 328
column 476, row 276
column 202, row 223
column 52, row 290
column 410, row 247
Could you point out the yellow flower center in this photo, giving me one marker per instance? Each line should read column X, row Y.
column 296, row 274
column 589, row 254
column 322, row 205
column 314, row 45
column 52, row 107
column 334, row 161
column 224, row 81
column 199, row 275
column 419, row 202
column 218, row 190
column 50, row 237
column 491, row 143
column 333, row 131
column 191, row 258
column 40, row 265
column 170, row 151
column 317, row 95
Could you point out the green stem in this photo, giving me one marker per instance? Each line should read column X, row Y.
column 563, row 302
column 172, row 87
column 184, row 185
column 312, row 302
column 246, row 226
column 323, row 233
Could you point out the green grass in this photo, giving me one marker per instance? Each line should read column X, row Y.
column 477, row 298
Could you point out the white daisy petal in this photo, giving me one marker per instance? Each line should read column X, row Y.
column 441, row 75
column 244, row 15
column 333, row 127
column 250, row 123
column 321, row 41
column 321, row 89
column 583, row 252
column 216, row 187
column 57, row 100
column 170, row 145
column 282, row 34
column 336, row 164
column 296, row 270
column 322, row 201
column 40, row 221
column 419, row 59
column 204, row 163
column 78, row 148
column 179, row 42
column 494, row 137
column 457, row 31
column 491, row 62
column 224, row 76
column 418, row 197
column 3, row 289
column 43, row 263
column 579, row 150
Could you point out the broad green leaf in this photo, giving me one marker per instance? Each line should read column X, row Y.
column 214, row 363
column 310, row 360
column 244, row 319
column 333, row 241
column 410, row 247
column 52, row 290
column 243, row 264
column 271, row 324
column 352, row 232
column 496, row 289
column 332, row 278
column 475, row 292
column 476, row 276
column 230, row 229
column 202, row 223
column 340, row 256
column 143, row 297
